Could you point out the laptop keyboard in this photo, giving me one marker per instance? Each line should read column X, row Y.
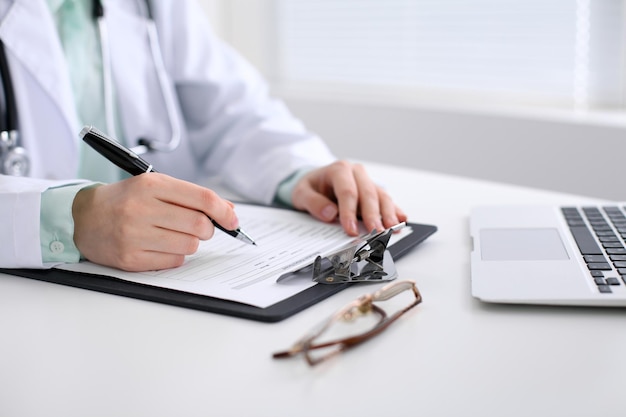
column 600, row 233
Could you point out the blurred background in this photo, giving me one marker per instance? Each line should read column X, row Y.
column 525, row 92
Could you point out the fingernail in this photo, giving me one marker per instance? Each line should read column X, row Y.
column 329, row 212
column 391, row 221
column 353, row 227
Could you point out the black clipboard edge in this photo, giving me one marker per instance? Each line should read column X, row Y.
column 273, row 313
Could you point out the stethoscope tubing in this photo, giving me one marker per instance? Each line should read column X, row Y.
column 145, row 145
column 9, row 123
column 13, row 158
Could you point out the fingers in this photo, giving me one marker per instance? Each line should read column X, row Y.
column 146, row 222
column 164, row 249
column 346, row 190
column 180, row 219
column 368, row 201
column 390, row 213
column 191, row 196
column 375, row 207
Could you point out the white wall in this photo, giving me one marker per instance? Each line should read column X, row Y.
column 563, row 155
column 563, row 152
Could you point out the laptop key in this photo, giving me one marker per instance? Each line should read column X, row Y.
column 576, row 222
column 602, row 266
column 570, row 211
column 605, row 233
column 612, row 281
column 585, row 241
column 605, row 289
column 594, row 258
column 612, row 244
column 616, row 251
column 600, row 225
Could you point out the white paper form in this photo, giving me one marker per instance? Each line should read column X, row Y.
column 226, row 268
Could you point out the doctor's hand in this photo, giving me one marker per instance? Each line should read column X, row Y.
column 147, row 222
column 345, row 190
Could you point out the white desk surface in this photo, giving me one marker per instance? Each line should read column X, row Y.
column 72, row 352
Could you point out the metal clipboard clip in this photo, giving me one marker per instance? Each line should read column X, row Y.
column 366, row 260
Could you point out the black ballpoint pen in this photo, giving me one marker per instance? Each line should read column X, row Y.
column 134, row 165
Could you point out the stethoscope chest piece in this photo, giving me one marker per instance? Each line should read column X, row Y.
column 13, row 158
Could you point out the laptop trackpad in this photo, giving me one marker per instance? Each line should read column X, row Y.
column 521, row 245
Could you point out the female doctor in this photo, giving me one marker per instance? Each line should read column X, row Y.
column 152, row 75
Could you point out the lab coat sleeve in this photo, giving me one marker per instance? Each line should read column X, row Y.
column 237, row 130
column 20, row 206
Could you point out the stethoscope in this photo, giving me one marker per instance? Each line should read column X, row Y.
column 14, row 158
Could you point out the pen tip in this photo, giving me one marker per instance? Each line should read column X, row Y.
column 245, row 237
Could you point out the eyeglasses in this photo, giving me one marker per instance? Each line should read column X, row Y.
column 353, row 324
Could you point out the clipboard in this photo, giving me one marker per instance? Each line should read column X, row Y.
column 273, row 313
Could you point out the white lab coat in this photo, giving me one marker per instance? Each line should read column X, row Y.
column 231, row 127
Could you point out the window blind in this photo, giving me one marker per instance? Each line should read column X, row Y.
column 568, row 52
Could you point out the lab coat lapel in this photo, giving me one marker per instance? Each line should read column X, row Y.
column 26, row 23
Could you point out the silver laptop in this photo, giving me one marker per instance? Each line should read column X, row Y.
column 569, row 255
